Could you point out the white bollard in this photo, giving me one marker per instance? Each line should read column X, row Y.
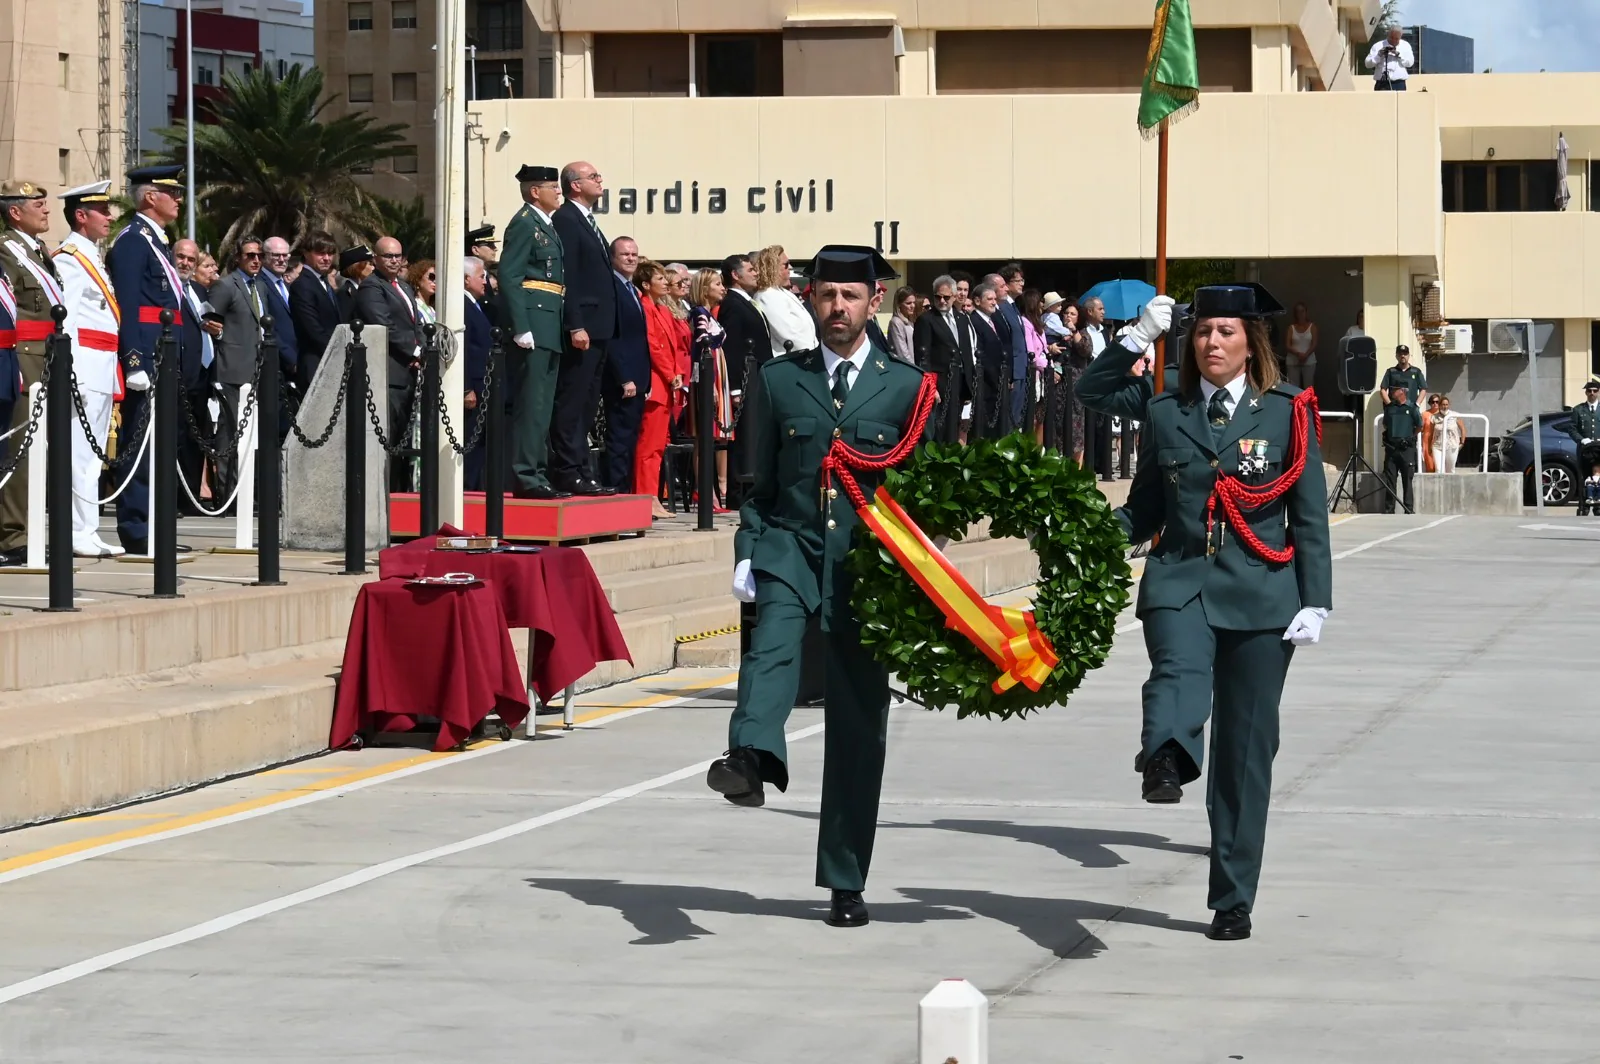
column 38, row 530
column 245, row 462
column 953, row 1025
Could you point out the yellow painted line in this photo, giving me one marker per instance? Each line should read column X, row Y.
column 332, row 782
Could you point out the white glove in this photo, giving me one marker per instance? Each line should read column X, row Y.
column 1154, row 320
column 1306, row 628
column 138, row 381
column 744, row 582
column 1587, row 442
column 523, row 339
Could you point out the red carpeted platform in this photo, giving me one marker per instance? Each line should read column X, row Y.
column 561, row 521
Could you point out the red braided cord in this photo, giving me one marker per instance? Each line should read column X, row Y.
column 842, row 458
column 1236, row 496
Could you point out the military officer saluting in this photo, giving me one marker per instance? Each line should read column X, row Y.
column 794, row 533
column 533, row 290
column 1230, row 479
column 1402, row 421
column 1404, row 375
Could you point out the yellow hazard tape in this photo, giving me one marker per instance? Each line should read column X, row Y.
column 706, row 635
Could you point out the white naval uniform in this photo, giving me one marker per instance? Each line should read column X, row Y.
column 93, row 323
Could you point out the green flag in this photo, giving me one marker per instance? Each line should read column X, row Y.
column 1172, row 72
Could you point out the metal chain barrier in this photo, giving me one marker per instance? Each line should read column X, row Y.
column 400, row 443
column 238, row 433
column 481, row 414
column 10, row 464
column 333, row 420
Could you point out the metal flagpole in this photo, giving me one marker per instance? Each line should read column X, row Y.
column 1160, row 368
column 450, row 234
column 188, row 99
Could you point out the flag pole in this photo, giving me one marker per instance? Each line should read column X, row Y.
column 1162, row 154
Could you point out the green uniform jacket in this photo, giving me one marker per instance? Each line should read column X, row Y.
column 1411, row 379
column 787, row 528
column 533, row 253
column 1585, row 424
column 1401, row 423
column 1105, row 386
column 33, row 304
column 1177, row 469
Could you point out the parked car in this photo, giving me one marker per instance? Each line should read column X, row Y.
column 1514, row 454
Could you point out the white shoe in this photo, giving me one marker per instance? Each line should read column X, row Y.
column 92, row 549
column 110, row 551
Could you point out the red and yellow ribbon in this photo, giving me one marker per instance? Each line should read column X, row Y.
column 1007, row 637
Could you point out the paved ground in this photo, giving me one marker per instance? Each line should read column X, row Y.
column 1429, row 893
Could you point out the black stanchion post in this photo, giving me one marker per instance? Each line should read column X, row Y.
column 163, row 521
column 58, row 464
column 427, row 405
column 355, row 454
column 494, row 436
column 269, row 464
column 705, row 438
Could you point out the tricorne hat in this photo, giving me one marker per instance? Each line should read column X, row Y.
column 1249, row 301
column 537, row 174
column 850, row 264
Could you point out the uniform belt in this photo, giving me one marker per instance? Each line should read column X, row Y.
column 96, row 340
column 152, row 315
column 35, row 330
column 545, row 286
column 8, row 338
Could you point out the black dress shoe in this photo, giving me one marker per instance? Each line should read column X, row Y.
column 13, row 557
column 135, row 546
column 847, row 909
column 1161, row 777
column 543, row 493
column 1230, row 925
column 737, row 777
column 592, row 487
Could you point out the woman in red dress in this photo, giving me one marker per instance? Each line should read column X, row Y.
column 669, row 355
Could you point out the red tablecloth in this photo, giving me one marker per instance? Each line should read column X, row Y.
column 554, row 593
column 427, row 651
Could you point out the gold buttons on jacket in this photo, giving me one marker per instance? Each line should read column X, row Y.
column 880, row 437
column 837, row 433
column 833, row 493
column 832, row 523
column 791, row 432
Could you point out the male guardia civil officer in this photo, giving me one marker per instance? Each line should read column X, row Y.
column 94, row 321
column 146, row 282
column 533, row 287
column 37, row 289
column 794, row 533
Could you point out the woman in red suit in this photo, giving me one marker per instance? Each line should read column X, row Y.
column 669, row 355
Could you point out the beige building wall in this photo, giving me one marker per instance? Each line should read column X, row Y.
column 51, row 94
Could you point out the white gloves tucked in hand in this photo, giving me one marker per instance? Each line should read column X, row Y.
column 1306, row 628
column 138, row 381
column 1154, row 321
column 744, row 582
column 523, row 339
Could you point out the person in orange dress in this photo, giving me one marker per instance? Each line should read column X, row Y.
column 669, row 354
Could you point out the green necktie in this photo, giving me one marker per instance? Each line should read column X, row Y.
column 1217, row 414
column 841, row 384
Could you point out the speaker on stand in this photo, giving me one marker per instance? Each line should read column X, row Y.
column 1358, row 376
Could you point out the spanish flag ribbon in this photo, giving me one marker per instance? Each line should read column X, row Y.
column 1007, row 637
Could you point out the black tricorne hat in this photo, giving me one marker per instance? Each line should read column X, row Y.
column 1250, row 301
column 536, row 174
column 350, row 256
column 484, row 234
column 850, row 264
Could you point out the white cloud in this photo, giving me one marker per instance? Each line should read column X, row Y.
column 1517, row 36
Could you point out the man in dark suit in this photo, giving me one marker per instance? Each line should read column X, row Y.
column 275, row 288
column 479, row 336
column 241, row 305
column 384, row 298
column 942, row 341
column 1097, row 426
column 1016, row 340
column 197, row 353
column 314, row 306
column 748, row 346
column 590, row 311
column 993, row 364
column 627, row 370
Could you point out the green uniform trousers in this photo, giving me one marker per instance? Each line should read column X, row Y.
column 856, row 715
column 533, row 398
column 14, row 497
column 1236, row 678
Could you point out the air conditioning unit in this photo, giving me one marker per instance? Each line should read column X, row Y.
column 1456, row 340
column 1509, row 336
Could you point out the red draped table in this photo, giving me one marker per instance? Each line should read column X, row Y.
column 554, row 594
column 440, row 652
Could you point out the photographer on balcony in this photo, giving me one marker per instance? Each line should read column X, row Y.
column 1390, row 60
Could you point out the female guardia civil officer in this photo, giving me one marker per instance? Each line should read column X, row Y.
column 1230, row 479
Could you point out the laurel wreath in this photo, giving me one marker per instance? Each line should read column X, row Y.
column 1026, row 492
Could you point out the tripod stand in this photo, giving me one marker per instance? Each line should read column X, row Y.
column 1345, row 488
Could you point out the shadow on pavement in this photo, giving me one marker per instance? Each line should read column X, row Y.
column 1054, row 924
column 660, row 912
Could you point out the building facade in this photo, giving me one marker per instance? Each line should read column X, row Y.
column 230, row 37
column 62, row 101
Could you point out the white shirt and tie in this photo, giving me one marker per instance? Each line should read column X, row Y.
column 850, row 367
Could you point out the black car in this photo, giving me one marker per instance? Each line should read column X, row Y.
column 1562, row 477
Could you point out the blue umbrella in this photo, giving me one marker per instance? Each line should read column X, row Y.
column 1122, row 299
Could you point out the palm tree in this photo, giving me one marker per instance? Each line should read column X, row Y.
column 406, row 222
column 269, row 162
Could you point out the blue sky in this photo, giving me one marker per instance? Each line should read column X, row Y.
column 1515, row 36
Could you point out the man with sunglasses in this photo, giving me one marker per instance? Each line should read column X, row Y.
column 146, row 283
column 385, row 298
column 240, row 301
column 1584, row 428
